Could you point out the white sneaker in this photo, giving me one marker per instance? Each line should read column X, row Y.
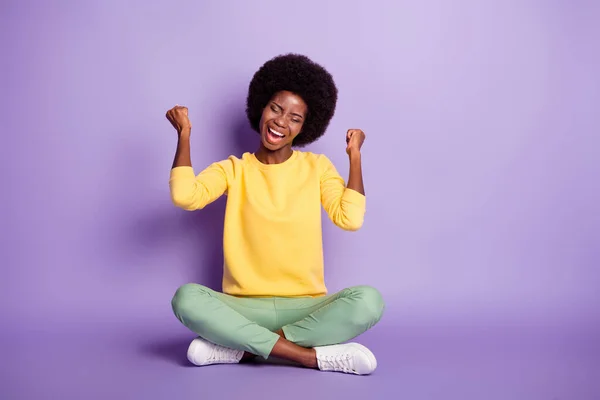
column 351, row 358
column 202, row 352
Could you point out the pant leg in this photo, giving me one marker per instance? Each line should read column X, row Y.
column 330, row 319
column 237, row 323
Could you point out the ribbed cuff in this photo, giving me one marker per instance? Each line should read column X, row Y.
column 182, row 172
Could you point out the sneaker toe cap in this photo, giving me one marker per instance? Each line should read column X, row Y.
column 364, row 361
column 197, row 351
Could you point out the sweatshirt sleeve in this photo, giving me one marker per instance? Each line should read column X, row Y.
column 345, row 207
column 191, row 192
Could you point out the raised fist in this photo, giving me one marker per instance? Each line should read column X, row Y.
column 354, row 140
column 178, row 117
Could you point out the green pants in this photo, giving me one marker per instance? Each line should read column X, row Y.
column 248, row 323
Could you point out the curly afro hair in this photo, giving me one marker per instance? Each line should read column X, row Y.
column 300, row 75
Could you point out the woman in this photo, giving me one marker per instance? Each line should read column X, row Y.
column 274, row 300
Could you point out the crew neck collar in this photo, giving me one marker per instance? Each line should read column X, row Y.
column 261, row 165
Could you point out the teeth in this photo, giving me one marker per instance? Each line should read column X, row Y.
column 276, row 133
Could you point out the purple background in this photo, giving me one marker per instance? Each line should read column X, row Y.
column 481, row 170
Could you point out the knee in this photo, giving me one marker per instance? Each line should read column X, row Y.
column 185, row 298
column 370, row 304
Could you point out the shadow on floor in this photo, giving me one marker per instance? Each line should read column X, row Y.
column 174, row 350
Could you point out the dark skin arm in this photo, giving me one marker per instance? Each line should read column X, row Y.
column 355, row 139
column 182, row 154
column 178, row 116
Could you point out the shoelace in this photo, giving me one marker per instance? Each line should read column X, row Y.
column 339, row 362
column 220, row 353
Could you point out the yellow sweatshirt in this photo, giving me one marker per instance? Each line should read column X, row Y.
column 272, row 240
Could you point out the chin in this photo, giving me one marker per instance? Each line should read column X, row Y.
column 268, row 145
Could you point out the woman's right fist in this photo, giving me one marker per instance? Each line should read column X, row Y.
column 178, row 117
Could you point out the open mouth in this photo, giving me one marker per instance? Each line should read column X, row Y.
column 274, row 136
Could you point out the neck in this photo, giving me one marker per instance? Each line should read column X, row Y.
column 267, row 156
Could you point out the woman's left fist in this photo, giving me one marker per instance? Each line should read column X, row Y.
column 354, row 140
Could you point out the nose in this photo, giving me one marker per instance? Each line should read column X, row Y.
column 279, row 121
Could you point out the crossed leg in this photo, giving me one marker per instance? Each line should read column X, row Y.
column 288, row 328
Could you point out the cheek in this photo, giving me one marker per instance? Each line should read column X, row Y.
column 296, row 129
column 267, row 115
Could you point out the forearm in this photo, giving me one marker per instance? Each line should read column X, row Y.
column 183, row 157
column 355, row 180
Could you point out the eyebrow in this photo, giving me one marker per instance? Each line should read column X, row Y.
column 296, row 114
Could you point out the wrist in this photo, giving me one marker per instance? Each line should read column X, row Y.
column 354, row 155
column 185, row 132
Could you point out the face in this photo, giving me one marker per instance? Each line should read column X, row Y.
column 282, row 120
